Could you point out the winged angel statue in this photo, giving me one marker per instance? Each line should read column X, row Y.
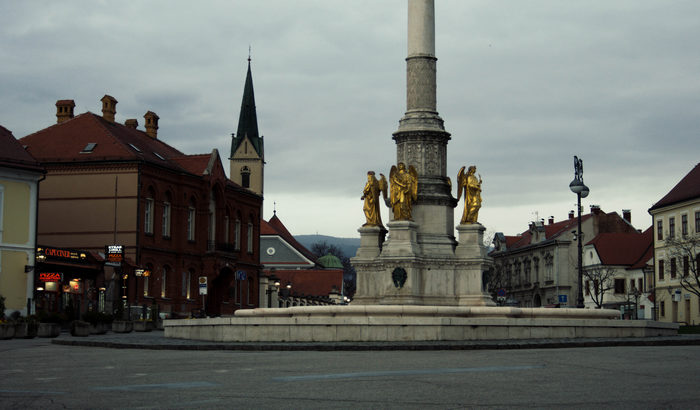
column 472, row 194
column 404, row 190
column 371, row 197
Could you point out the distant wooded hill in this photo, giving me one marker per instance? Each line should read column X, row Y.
column 347, row 245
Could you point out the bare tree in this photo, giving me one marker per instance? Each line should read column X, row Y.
column 686, row 251
column 603, row 279
column 496, row 279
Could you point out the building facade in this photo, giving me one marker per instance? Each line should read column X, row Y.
column 676, row 223
column 539, row 267
column 294, row 276
column 176, row 218
column 20, row 174
column 618, row 270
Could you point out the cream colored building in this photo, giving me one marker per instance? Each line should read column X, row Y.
column 19, row 181
column 539, row 267
column 676, row 222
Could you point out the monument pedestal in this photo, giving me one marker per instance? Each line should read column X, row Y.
column 371, row 242
column 473, row 266
column 402, row 240
column 401, row 273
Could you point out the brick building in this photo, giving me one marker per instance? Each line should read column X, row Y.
column 177, row 217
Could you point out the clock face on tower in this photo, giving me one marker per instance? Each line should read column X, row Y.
column 270, row 251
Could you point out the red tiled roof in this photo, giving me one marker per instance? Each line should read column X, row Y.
column 311, row 282
column 12, row 154
column 552, row 231
column 687, row 188
column 512, row 240
column 279, row 229
column 64, row 142
column 266, row 229
column 648, row 254
column 195, row 164
column 625, row 249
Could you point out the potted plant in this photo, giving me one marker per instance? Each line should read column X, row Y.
column 26, row 327
column 7, row 330
column 122, row 326
column 49, row 324
column 99, row 322
column 79, row 328
column 143, row 325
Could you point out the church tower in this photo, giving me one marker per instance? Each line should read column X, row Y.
column 247, row 161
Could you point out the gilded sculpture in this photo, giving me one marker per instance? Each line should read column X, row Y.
column 404, row 190
column 370, row 194
column 472, row 194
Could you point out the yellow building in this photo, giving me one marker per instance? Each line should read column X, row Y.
column 676, row 222
column 19, row 181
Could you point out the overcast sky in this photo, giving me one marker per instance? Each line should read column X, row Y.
column 522, row 88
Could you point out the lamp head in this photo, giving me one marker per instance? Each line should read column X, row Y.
column 584, row 191
column 576, row 186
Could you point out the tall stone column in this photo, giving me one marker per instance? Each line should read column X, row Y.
column 420, row 262
column 421, row 139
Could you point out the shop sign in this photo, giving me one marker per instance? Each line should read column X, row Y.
column 51, row 277
column 59, row 253
column 142, row 272
column 114, row 253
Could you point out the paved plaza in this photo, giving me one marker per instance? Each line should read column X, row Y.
column 39, row 373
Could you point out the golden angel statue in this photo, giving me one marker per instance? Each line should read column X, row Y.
column 404, row 190
column 472, row 194
column 370, row 194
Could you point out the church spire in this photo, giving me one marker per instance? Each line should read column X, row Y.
column 247, row 161
column 248, row 119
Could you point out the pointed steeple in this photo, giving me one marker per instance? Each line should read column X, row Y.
column 247, row 161
column 248, row 119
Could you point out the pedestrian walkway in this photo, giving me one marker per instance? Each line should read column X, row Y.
column 156, row 340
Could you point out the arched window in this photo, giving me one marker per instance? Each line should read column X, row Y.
column 191, row 217
column 148, row 212
column 548, row 267
column 166, row 215
column 211, row 228
column 227, row 228
column 187, row 283
column 164, row 282
column 245, row 177
column 237, row 238
column 249, row 237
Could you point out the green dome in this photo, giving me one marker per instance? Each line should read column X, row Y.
column 330, row 262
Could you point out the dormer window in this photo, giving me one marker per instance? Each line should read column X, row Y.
column 89, row 148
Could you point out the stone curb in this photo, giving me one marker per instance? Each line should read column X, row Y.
column 483, row 345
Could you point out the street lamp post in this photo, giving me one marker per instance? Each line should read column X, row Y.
column 581, row 190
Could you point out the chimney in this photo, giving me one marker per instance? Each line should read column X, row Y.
column 64, row 110
column 595, row 209
column 131, row 123
column 109, row 107
column 627, row 215
column 571, row 214
column 551, row 220
column 151, row 124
